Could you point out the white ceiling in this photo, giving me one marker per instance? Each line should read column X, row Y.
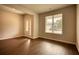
column 10, row 9
column 40, row 8
column 36, row 8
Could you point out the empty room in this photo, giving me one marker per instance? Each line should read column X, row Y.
column 39, row 29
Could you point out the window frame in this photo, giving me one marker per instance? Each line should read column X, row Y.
column 53, row 23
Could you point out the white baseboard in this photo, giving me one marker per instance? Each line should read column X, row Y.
column 45, row 38
column 10, row 37
column 31, row 37
column 61, row 41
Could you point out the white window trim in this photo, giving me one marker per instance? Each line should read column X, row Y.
column 52, row 25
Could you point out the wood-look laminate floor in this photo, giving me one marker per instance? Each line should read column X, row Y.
column 24, row 46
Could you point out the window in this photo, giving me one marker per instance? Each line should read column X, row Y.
column 53, row 24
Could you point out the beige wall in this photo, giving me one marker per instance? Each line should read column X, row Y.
column 13, row 25
column 69, row 25
column 18, row 11
column 28, row 25
column 77, row 41
column 10, row 25
column 34, row 26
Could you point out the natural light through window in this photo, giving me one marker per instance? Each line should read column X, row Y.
column 53, row 24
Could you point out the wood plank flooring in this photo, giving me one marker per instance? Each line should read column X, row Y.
column 25, row 46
